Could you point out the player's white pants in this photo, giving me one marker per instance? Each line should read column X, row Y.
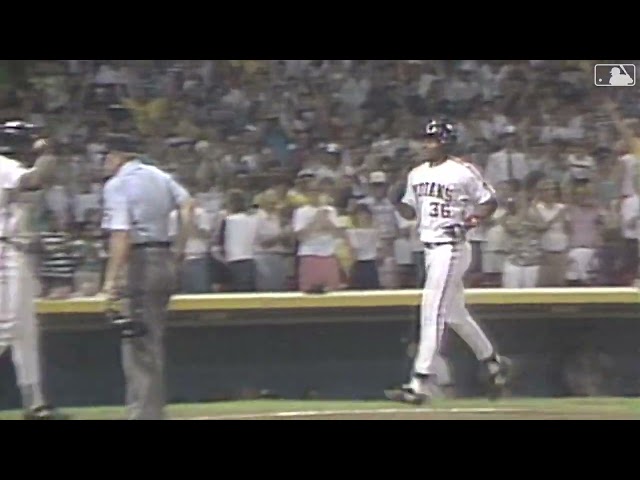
column 517, row 276
column 443, row 303
column 18, row 321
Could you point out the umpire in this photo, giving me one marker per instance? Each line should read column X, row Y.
column 138, row 200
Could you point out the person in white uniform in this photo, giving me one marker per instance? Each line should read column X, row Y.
column 18, row 282
column 448, row 197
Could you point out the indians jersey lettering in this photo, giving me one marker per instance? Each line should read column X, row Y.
column 444, row 195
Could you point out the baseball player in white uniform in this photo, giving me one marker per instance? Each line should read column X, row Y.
column 18, row 285
column 629, row 211
column 448, row 197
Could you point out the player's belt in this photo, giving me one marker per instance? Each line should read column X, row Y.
column 437, row 244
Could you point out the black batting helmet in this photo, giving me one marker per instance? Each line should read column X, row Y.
column 441, row 130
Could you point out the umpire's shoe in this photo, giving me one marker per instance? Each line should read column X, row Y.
column 45, row 412
column 499, row 370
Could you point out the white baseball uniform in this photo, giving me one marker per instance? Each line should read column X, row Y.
column 444, row 195
column 18, row 288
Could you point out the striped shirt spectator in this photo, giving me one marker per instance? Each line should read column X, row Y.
column 60, row 256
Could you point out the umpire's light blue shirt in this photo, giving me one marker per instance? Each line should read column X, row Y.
column 139, row 199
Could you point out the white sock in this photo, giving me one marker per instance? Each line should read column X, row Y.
column 418, row 384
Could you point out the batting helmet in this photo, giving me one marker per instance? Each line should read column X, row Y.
column 442, row 130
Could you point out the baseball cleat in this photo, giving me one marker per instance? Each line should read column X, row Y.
column 406, row 395
column 44, row 412
column 499, row 376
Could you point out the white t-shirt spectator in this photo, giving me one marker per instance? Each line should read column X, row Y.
column 195, row 246
column 317, row 243
column 364, row 242
column 239, row 233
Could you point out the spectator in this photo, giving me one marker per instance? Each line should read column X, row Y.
column 508, row 163
column 195, row 273
column 554, row 241
column 585, row 226
column 607, row 175
column 341, row 120
column 273, row 238
column 522, row 225
column 556, row 167
column 317, row 231
column 495, row 249
column 363, row 238
column 630, row 220
column 59, row 258
column 236, row 240
column 388, row 223
column 91, row 257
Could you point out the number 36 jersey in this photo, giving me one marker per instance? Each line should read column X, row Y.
column 444, row 195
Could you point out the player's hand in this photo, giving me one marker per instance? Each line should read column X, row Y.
column 472, row 221
column 456, row 232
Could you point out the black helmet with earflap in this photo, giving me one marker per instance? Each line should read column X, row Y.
column 442, row 130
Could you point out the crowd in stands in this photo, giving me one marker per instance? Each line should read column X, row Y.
column 297, row 167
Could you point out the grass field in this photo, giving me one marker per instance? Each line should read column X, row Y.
column 511, row 409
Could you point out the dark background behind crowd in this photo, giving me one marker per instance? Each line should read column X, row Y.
column 297, row 166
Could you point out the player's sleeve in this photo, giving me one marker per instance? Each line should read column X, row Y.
column 478, row 189
column 409, row 197
column 116, row 207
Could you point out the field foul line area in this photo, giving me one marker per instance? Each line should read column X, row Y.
column 335, row 413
